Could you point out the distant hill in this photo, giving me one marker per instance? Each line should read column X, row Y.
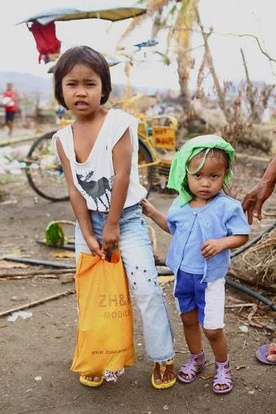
column 40, row 89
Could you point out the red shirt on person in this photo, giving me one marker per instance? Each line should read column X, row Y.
column 11, row 105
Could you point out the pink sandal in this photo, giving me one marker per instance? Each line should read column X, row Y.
column 223, row 376
column 267, row 354
column 192, row 368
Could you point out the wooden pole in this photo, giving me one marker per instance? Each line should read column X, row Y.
column 38, row 302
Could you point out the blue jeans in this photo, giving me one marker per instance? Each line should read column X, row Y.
column 138, row 259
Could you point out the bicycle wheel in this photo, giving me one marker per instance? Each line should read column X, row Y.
column 44, row 173
column 146, row 171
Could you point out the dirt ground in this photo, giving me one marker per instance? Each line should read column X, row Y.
column 36, row 352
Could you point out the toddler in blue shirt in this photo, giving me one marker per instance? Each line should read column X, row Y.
column 205, row 224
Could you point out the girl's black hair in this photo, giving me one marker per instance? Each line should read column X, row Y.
column 87, row 56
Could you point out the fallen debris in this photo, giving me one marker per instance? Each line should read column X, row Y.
column 39, row 262
column 26, row 273
column 22, row 314
column 38, row 302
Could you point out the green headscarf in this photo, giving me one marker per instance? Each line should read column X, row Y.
column 178, row 174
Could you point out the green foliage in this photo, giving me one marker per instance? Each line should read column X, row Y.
column 3, row 195
column 54, row 234
column 5, row 178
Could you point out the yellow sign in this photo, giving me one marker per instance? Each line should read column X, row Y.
column 163, row 137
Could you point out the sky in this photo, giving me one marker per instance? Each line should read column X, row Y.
column 227, row 18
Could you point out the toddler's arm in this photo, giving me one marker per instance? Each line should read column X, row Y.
column 159, row 218
column 212, row 247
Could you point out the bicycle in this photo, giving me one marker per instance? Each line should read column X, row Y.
column 156, row 147
column 43, row 171
column 157, row 134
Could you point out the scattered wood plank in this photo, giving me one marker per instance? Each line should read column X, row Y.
column 13, row 273
column 36, row 303
column 256, row 324
column 39, row 262
column 251, row 280
column 240, row 305
column 16, row 140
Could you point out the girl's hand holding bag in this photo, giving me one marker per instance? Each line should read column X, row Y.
column 104, row 343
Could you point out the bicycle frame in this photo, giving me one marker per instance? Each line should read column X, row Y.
column 160, row 143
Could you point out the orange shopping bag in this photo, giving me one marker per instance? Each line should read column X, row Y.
column 104, row 342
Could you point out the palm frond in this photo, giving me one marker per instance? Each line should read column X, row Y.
column 134, row 24
column 165, row 58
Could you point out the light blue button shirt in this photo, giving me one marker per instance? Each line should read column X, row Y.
column 192, row 247
column 221, row 217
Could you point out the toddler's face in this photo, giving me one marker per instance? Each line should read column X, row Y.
column 208, row 181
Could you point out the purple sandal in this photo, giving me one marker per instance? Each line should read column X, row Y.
column 192, row 368
column 223, row 376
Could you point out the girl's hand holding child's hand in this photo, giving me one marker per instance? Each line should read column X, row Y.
column 211, row 247
column 147, row 207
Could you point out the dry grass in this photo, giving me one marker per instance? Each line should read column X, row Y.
column 261, row 258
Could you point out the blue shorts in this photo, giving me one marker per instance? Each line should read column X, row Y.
column 206, row 297
column 9, row 117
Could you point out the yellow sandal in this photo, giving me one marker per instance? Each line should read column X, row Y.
column 163, row 385
column 84, row 379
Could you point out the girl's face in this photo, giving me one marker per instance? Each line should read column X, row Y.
column 208, row 181
column 82, row 90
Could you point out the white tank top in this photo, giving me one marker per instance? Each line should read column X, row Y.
column 94, row 178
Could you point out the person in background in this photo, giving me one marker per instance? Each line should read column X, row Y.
column 60, row 113
column 252, row 205
column 205, row 224
column 99, row 156
column 10, row 103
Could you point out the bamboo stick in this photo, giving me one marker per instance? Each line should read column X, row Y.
column 36, row 303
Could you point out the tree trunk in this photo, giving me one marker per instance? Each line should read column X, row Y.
column 262, row 137
column 183, row 69
column 250, row 93
column 220, row 92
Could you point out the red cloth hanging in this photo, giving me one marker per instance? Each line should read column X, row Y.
column 47, row 43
